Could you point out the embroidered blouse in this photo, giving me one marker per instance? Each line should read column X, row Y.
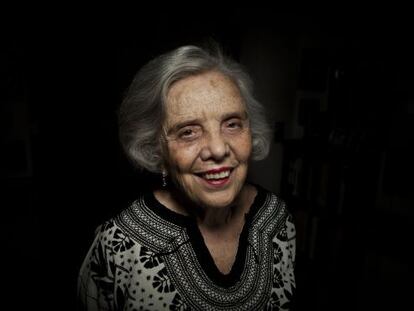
column 151, row 258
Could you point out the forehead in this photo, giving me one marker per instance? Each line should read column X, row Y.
column 201, row 94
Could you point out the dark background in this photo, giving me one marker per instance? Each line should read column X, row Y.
column 63, row 171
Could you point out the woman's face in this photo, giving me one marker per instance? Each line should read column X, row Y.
column 208, row 139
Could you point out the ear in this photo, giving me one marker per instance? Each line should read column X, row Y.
column 163, row 143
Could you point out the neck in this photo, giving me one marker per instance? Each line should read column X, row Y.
column 211, row 217
column 216, row 218
column 208, row 217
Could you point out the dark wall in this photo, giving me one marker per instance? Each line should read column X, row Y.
column 65, row 172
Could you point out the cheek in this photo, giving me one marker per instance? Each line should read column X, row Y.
column 181, row 158
column 242, row 148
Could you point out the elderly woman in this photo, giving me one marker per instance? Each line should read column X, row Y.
column 205, row 239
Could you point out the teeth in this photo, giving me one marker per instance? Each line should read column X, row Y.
column 220, row 175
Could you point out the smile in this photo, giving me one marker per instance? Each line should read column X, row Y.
column 216, row 177
column 212, row 176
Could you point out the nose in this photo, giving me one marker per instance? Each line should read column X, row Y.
column 215, row 147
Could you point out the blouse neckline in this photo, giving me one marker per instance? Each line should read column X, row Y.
column 201, row 251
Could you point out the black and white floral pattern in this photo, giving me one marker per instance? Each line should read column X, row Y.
column 141, row 261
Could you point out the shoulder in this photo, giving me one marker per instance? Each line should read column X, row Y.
column 142, row 223
column 270, row 202
column 273, row 211
column 112, row 236
column 113, row 229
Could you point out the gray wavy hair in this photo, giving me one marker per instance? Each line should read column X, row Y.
column 141, row 113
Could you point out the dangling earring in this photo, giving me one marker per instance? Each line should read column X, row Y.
column 164, row 179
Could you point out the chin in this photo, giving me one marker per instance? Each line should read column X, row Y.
column 216, row 203
column 216, row 199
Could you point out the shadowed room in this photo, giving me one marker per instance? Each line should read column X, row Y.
column 338, row 96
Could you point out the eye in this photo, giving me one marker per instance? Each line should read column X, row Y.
column 189, row 133
column 186, row 133
column 233, row 124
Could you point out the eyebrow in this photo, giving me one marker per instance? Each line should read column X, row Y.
column 237, row 114
column 182, row 124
